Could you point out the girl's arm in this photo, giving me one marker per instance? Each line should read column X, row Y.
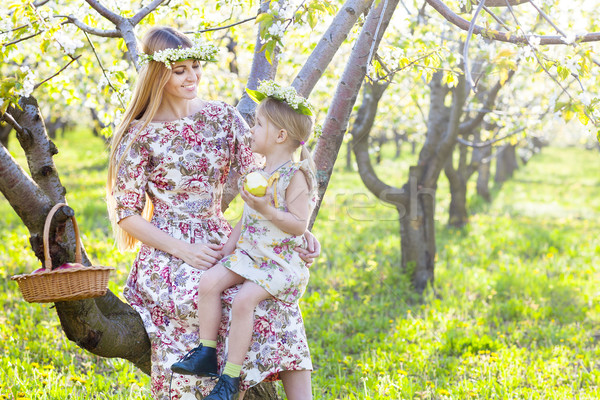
column 198, row 255
column 295, row 220
column 229, row 246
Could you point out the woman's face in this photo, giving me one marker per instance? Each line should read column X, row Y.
column 183, row 83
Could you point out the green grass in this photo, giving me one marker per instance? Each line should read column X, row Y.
column 514, row 314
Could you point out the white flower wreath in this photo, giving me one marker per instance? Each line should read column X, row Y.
column 201, row 51
column 288, row 95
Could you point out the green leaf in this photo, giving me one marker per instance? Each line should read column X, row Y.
column 255, row 95
column 583, row 118
column 269, row 51
column 312, row 21
column 264, row 17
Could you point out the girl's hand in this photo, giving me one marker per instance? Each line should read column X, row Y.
column 201, row 255
column 260, row 204
column 312, row 251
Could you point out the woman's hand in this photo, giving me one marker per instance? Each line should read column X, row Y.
column 312, row 251
column 201, row 255
column 198, row 255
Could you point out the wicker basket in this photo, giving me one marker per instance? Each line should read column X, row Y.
column 74, row 283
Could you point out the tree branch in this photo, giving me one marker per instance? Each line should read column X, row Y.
column 361, row 130
column 105, row 12
column 61, row 70
column 330, row 42
column 481, row 145
column 38, row 149
column 114, row 33
column 222, row 27
column 12, row 122
column 463, row 24
column 21, row 191
column 547, row 18
column 21, row 39
column 140, row 15
column 470, row 124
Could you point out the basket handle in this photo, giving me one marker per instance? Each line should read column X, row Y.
column 47, row 260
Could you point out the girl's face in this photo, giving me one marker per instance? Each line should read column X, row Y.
column 263, row 135
column 183, row 83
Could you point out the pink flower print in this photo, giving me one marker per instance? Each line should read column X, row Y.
column 277, row 249
column 129, row 200
column 184, row 228
column 158, row 317
column 214, row 112
column 262, row 327
column 162, row 182
column 189, row 134
column 203, row 165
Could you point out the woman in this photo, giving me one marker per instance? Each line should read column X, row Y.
column 171, row 159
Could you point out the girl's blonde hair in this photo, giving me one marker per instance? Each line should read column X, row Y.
column 146, row 99
column 298, row 126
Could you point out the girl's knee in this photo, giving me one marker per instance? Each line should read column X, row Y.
column 209, row 284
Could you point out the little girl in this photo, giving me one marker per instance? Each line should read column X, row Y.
column 261, row 246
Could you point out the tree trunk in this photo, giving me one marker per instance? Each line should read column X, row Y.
column 483, row 173
column 457, row 212
column 417, row 233
column 349, row 145
column 336, row 122
column 5, row 130
column 506, row 163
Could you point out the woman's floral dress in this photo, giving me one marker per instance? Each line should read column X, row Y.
column 264, row 253
column 182, row 166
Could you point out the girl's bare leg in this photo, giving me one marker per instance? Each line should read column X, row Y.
column 297, row 384
column 213, row 282
column 242, row 320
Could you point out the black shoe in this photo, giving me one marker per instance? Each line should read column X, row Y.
column 227, row 389
column 201, row 361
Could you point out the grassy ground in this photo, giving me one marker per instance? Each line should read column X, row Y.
column 514, row 314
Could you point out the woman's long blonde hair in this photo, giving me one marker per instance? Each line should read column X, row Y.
column 146, row 99
column 298, row 126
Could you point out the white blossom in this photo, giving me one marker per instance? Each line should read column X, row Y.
column 28, row 82
column 570, row 38
column 66, row 42
column 277, row 29
column 534, row 40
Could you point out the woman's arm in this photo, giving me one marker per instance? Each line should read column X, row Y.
column 198, row 255
column 312, row 250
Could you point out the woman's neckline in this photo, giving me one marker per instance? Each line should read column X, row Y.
column 203, row 106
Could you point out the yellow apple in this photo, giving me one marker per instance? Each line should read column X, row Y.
column 256, row 184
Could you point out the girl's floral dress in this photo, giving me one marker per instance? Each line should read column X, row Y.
column 264, row 253
column 182, row 167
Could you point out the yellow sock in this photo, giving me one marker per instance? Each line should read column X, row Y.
column 233, row 370
column 208, row 343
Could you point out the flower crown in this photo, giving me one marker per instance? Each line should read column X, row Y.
column 201, row 51
column 288, row 95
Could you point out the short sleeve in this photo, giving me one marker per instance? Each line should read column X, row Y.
column 242, row 158
column 129, row 191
